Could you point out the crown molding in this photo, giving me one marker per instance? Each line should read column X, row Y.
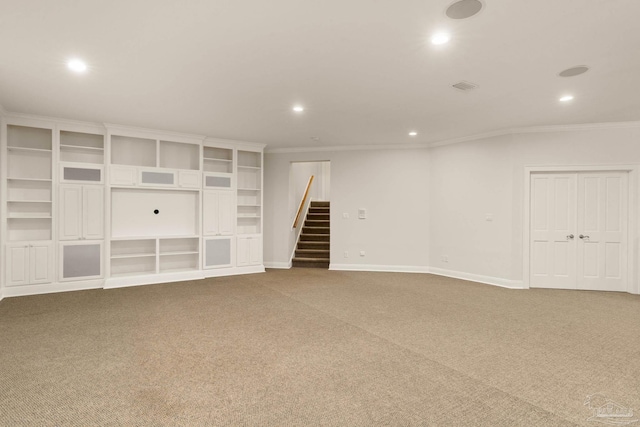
column 468, row 138
column 234, row 142
column 285, row 150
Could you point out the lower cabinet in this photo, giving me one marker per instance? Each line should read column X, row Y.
column 29, row 263
column 218, row 252
column 81, row 260
column 249, row 250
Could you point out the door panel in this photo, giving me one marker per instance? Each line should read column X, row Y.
column 552, row 221
column 210, row 209
column 227, row 207
column 70, row 212
column 41, row 260
column 602, row 220
column 17, row 265
column 93, row 212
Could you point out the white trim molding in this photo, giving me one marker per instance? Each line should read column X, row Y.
column 278, row 265
column 379, row 268
column 487, row 280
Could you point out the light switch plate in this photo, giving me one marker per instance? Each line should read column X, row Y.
column 362, row 213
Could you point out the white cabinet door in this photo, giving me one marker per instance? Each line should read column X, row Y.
column 123, row 175
column 210, row 209
column 70, row 212
column 255, row 251
column 18, row 264
column 226, row 212
column 218, row 213
column 249, row 250
column 243, row 251
column 189, row 179
column 41, row 262
column 93, row 212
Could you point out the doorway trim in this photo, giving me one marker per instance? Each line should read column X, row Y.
column 633, row 258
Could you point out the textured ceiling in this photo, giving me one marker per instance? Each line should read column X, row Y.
column 364, row 69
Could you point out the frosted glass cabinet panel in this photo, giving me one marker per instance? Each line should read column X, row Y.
column 218, row 252
column 81, row 174
column 80, row 260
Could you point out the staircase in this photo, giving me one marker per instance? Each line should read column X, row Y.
column 313, row 245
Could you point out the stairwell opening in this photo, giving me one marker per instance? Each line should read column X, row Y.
column 310, row 240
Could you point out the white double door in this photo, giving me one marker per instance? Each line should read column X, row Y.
column 578, row 231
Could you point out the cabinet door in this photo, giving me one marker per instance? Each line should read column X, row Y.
column 210, row 209
column 41, row 263
column 70, row 212
column 93, row 212
column 123, row 175
column 155, row 178
column 243, row 251
column 217, row 252
column 80, row 261
column 17, row 264
column 74, row 173
column 226, row 212
column 255, row 251
column 189, row 179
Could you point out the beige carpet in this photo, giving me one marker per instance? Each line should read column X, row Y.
column 306, row 347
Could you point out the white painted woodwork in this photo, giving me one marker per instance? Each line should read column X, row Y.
column 602, row 216
column 93, row 212
column 29, row 263
column 123, row 175
column 18, row 269
column 565, row 206
column 133, row 213
column 189, row 179
column 81, row 212
column 249, row 250
column 218, row 213
column 553, row 219
column 71, row 217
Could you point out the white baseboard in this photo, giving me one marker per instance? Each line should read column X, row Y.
column 151, row 279
column 495, row 281
column 50, row 288
column 281, row 265
column 382, row 268
column 235, row 271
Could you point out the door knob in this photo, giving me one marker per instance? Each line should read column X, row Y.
column 583, row 237
column 570, row 237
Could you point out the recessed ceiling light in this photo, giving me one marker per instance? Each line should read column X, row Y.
column 440, row 38
column 566, row 98
column 77, row 65
column 298, row 108
column 463, row 9
column 413, row 133
column 574, row 71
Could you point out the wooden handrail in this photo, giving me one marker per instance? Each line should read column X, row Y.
column 302, row 202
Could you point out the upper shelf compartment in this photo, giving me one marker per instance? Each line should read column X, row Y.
column 81, row 147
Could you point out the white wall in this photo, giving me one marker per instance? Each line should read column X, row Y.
column 469, row 180
column 424, row 204
column 391, row 184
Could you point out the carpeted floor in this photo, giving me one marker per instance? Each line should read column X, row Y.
column 307, row 347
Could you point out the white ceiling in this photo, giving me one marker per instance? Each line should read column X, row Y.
column 364, row 69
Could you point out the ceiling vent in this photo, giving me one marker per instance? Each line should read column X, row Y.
column 464, row 86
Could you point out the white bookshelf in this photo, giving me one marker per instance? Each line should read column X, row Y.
column 29, row 183
column 249, row 193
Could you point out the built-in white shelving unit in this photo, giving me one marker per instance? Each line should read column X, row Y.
column 91, row 206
